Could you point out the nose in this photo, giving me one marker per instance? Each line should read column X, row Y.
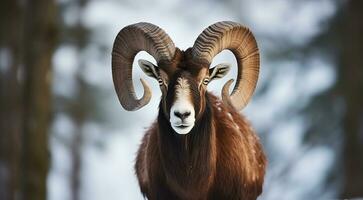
column 183, row 115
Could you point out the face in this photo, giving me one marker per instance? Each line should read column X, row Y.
column 183, row 100
column 183, row 93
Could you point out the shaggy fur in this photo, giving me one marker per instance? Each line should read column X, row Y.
column 221, row 158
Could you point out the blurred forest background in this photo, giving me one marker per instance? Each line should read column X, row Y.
column 63, row 134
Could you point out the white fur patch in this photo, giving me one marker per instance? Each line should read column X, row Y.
column 182, row 105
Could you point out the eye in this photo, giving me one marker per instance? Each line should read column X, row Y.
column 205, row 81
column 161, row 82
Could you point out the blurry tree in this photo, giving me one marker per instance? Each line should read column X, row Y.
column 350, row 86
column 27, row 40
column 334, row 117
column 82, row 106
column 79, row 108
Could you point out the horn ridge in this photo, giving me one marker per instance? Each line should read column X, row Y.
column 240, row 40
column 128, row 42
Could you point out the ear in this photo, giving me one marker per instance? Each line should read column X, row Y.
column 219, row 71
column 149, row 69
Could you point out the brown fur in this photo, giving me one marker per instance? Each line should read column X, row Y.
column 221, row 159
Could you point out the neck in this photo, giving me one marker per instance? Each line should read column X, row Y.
column 188, row 160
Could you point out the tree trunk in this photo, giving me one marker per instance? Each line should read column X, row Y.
column 350, row 83
column 11, row 112
column 79, row 111
column 40, row 35
column 27, row 46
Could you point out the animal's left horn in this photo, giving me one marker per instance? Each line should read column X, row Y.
column 240, row 40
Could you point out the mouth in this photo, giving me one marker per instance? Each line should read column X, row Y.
column 182, row 128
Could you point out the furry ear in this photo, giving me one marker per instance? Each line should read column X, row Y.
column 219, row 71
column 149, row 69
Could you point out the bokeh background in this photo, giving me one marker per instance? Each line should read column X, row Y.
column 64, row 135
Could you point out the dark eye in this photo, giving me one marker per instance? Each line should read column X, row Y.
column 161, row 82
column 206, row 81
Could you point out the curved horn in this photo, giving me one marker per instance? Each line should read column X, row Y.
column 238, row 39
column 129, row 41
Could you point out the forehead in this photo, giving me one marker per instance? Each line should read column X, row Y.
column 182, row 85
column 181, row 77
column 184, row 65
column 190, row 74
column 193, row 67
column 182, row 80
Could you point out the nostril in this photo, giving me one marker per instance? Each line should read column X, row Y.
column 182, row 115
column 178, row 114
column 186, row 114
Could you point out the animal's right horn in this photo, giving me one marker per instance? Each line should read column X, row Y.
column 129, row 41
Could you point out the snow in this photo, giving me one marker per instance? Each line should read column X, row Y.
column 296, row 21
column 65, row 65
column 109, row 174
column 58, row 178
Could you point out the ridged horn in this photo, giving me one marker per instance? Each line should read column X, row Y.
column 129, row 41
column 240, row 40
